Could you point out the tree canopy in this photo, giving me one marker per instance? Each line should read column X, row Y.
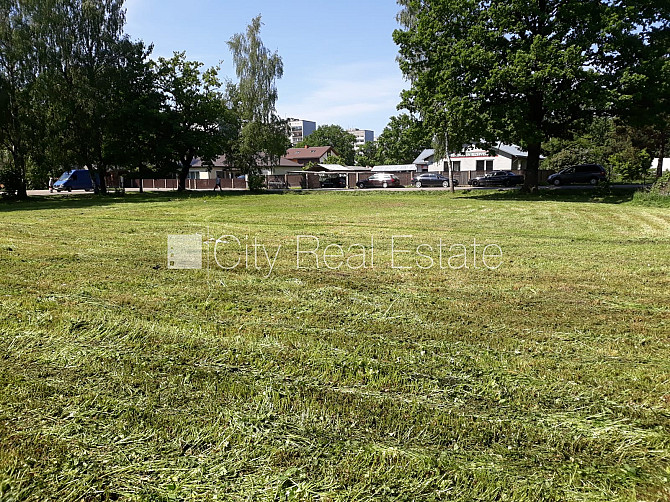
column 264, row 136
column 513, row 71
column 333, row 135
column 402, row 140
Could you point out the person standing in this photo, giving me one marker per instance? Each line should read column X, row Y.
column 51, row 184
column 217, row 183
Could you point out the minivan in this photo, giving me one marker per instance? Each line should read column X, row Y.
column 76, row 179
column 583, row 173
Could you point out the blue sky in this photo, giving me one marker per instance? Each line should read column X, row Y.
column 339, row 55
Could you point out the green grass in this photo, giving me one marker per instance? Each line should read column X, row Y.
column 545, row 379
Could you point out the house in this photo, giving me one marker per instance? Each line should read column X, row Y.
column 498, row 158
column 309, row 154
column 283, row 167
column 220, row 166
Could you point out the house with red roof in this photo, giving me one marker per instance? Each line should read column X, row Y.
column 307, row 154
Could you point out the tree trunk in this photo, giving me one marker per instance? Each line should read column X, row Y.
column 101, row 171
column 20, row 170
column 532, row 168
column 183, row 173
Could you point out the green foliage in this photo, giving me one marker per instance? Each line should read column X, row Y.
column 255, row 182
column 605, row 142
column 333, row 135
column 658, row 195
column 335, row 159
column 512, row 71
column 257, row 70
column 367, row 154
column 264, row 136
column 196, row 122
column 402, row 140
column 643, row 83
column 631, row 163
column 662, row 185
column 20, row 65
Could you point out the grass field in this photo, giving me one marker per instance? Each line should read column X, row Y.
column 546, row 378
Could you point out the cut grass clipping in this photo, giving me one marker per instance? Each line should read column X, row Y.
column 546, row 378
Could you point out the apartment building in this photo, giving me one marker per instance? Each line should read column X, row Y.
column 300, row 129
column 362, row 136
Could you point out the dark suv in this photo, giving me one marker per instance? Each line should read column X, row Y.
column 583, row 173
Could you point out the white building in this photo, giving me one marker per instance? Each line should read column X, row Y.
column 498, row 158
column 362, row 136
column 300, row 129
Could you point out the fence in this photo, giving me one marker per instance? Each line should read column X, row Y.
column 304, row 180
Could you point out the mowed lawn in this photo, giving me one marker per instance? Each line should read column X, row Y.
column 546, row 378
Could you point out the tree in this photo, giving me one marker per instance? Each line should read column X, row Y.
column 642, row 82
column 513, row 71
column 19, row 71
column 195, row 121
column 367, row 154
column 333, row 135
column 84, row 69
column 402, row 140
column 263, row 138
column 620, row 148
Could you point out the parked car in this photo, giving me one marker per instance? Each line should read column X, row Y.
column 334, row 182
column 76, row 179
column 582, row 173
column 501, row 178
column 432, row 180
column 383, row 180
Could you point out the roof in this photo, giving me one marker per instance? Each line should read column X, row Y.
column 309, row 152
column 394, row 168
column 512, row 150
column 423, row 156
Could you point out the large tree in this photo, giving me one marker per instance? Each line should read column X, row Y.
column 196, row 123
column 515, row 71
column 642, row 82
column 333, row 135
column 84, row 69
column 20, row 55
column 264, row 136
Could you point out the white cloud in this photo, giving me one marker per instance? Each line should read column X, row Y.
column 352, row 95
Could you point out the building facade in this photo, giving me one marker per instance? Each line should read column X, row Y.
column 362, row 136
column 498, row 158
column 300, row 129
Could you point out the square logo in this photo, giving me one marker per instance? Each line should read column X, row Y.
column 184, row 252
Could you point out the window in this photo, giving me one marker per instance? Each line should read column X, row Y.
column 456, row 165
column 480, row 165
column 489, row 165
